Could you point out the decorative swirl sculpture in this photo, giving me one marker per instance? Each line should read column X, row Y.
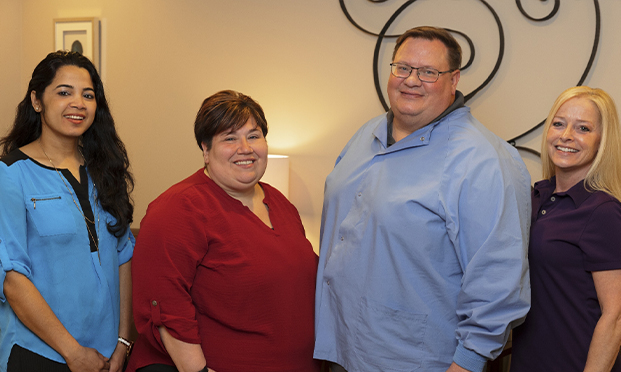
column 557, row 4
column 404, row 6
column 587, row 70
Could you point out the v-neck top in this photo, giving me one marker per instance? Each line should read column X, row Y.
column 80, row 190
column 43, row 236
column 210, row 271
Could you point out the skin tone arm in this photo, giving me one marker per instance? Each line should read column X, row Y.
column 187, row 357
column 125, row 324
column 32, row 310
column 455, row 368
column 606, row 339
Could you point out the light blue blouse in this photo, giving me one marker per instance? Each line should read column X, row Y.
column 423, row 249
column 44, row 237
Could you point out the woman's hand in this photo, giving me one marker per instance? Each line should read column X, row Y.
column 32, row 310
column 126, row 323
column 117, row 360
column 86, row 359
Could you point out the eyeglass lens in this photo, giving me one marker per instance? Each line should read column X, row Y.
column 425, row 74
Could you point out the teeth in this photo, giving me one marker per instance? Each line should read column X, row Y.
column 245, row 162
column 566, row 149
column 75, row 117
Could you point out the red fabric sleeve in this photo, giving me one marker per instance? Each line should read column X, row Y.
column 168, row 251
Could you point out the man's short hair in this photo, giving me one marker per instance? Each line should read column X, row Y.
column 434, row 33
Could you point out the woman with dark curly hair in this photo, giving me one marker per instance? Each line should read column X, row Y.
column 65, row 210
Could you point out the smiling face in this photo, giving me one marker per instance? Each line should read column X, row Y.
column 68, row 104
column 573, row 138
column 237, row 159
column 415, row 103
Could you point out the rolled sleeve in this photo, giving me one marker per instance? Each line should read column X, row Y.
column 13, row 234
column 165, row 260
column 7, row 264
column 125, row 248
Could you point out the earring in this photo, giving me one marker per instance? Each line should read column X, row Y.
column 37, row 108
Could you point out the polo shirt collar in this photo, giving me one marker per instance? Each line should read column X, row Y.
column 578, row 192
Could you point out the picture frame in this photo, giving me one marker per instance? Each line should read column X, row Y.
column 80, row 35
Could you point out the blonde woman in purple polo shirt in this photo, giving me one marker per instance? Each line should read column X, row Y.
column 575, row 245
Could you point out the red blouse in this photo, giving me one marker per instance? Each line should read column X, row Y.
column 213, row 273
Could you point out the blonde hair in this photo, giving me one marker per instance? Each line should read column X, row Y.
column 605, row 172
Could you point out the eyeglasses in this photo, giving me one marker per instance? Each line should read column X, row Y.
column 425, row 74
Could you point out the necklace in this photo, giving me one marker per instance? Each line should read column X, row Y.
column 86, row 219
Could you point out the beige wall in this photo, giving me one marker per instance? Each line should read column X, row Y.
column 307, row 66
column 10, row 60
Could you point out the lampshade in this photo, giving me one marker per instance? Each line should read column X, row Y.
column 277, row 173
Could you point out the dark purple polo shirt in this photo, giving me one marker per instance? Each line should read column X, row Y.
column 572, row 234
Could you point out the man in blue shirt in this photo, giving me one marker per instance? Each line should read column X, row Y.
column 424, row 230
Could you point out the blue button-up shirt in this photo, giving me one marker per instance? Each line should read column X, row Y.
column 423, row 248
column 44, row 237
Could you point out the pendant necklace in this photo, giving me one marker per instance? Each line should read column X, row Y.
column 86, row 219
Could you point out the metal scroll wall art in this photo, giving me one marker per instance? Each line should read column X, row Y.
column 382, row 35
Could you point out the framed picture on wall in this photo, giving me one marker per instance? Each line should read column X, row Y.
column 79, row 35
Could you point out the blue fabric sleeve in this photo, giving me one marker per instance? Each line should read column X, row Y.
column 126, row 247
column 468, row 359
column 13, row 235
column 488, row 221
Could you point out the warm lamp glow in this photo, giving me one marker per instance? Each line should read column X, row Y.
column 277, row 173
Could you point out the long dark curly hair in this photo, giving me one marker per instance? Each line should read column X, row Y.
column 104, row 153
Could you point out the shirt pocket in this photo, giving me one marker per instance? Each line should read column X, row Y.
column 50, row 214
column 390, row 339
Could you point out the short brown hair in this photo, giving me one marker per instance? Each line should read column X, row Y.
column 226, row 110
column 434, row 33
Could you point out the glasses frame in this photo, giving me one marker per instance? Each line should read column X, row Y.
column 392, row 65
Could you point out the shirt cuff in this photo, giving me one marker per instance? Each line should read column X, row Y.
column 126, row 248
column 468, row 359
column 6, row 265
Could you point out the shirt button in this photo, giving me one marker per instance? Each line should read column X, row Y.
column 359, row 194
column 543, row 211
column 342, row 238
column 154, row 303
column 422, row 138
column 553, row 198
column 327, row 282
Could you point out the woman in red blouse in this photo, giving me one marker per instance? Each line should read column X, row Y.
column 223, row 276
